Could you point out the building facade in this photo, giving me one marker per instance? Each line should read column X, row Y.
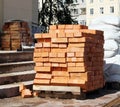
column 1, row 14
column 96, row 8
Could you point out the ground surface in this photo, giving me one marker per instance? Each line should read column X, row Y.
column 96, row 99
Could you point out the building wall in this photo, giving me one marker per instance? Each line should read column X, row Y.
column 1, row 14
column 21, row 10
column 105, row 4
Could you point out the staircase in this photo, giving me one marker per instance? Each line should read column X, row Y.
column 16, row 67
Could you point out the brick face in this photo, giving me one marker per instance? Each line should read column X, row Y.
column 69, row 55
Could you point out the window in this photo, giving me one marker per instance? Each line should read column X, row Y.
column 74, row 11
column 91, row 11
column 83, row 11
column 112, row 9
column 91, row 1
column 101, row 10
column 82, row 1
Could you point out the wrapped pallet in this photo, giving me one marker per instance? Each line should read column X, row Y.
column 69, row 55
column 16, row 33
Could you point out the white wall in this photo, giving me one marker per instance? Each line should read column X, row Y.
column 21, row 10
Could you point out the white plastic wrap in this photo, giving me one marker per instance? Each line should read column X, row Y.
column 111, row 27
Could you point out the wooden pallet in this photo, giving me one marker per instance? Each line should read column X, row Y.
column 65, row 92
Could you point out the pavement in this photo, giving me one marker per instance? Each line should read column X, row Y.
column 95, row 99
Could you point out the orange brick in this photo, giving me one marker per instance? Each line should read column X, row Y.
column 56, row 69
column 21, row 87
column 59, row 40
column 47, row 40
column 69, row 34
column 56, row 45
column 43, row 54
column 79, row 40
column 46, row 49
column 76, row 81
column 61, row 33
column 60, row 60
column 43, row 75
column 44, row 40
column 55, row 64
column 63, row 45
column 42, row 49
column 26, row 93
column 53, row 33
column 40, row 59
column 70, row 54
column 36, row 94
column 40, row 40
column 74, row 59
column 41, row 81
column 69, row 31
column 71, row 64
column 80, row 27
column 37, row 35
column 76, row 69
column 77, row 33
column 83, row 64
column 38, row 45
column 52, row 55
column 47, row 64
column 46, row 35
column 53, row 27
column 60, row 73
column 61, row 55
column 62, row 65
column 69, row 26
column 59, row 80
column 42, row 69
column 56, row 50
column 38, row 64
column 61, row 26
column 46, row 44
column 78, row 49
column 63, row 68
column 80, row 54
column 74, row 74
column 92, row 31
column 81, row 45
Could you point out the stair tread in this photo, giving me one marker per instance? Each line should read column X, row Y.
column 15, row 63
column 15, row 84
column 17, row 73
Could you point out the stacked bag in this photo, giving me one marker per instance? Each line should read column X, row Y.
column 69, row 55
column 111, row 27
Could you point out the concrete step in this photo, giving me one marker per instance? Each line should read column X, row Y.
column 15, row 56
column 11, row 90
column 16, row 66
column 8, row 78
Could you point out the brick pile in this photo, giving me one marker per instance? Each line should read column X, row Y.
column 69, row 55
column 15, row 33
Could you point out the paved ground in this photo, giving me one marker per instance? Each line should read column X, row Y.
column 93, row 100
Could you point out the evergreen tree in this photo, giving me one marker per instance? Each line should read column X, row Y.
column 54, row 12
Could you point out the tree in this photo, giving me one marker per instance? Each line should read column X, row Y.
column 54, row 12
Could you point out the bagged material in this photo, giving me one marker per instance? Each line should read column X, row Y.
column 107, row 19
column 110, row 45
column 111, row 27
column 109, row 54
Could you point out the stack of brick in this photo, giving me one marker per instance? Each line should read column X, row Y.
column 15, row 33
column 69, row 55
